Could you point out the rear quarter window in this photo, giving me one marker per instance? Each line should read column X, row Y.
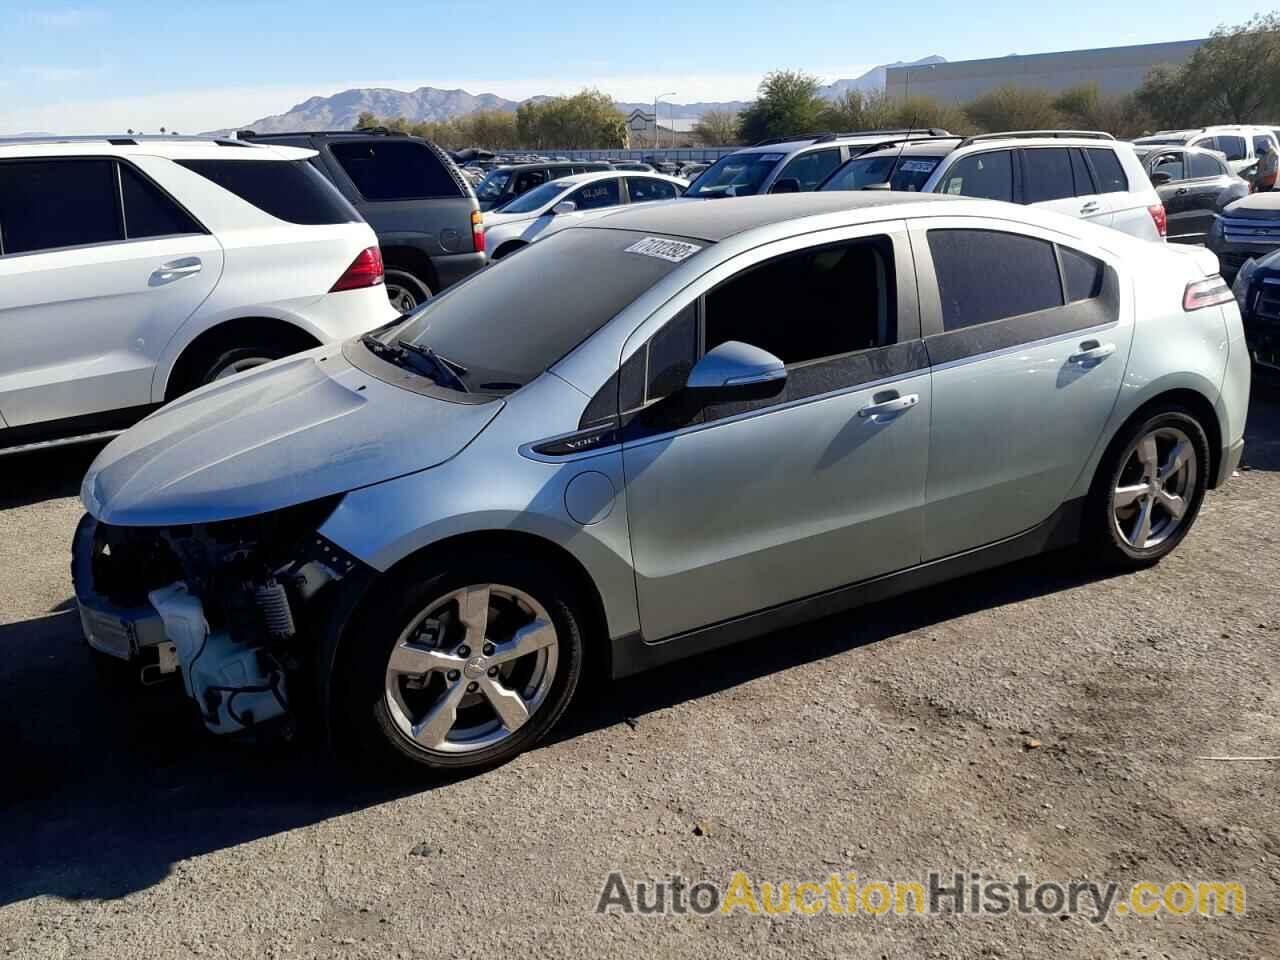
column 289, row 190
column 395, row 170
column 1111, row 176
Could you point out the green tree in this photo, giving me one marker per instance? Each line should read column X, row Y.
column 1011, row 107
column 788, row 104
column 717, row 128
column 587, row 119
column 1085, row 108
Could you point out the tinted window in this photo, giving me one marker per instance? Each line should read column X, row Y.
column 672, row 352
column 737, row 175
column 1080, row 174
column 1082, row 274
column 601, row 193
column 1046, row 175
column 289, row 190
column 58, row 203
column 811, row 304
column 1260, row 144
column 1233, row 147
column 1106, row 165
column 508, row 324
column 643, row 189
column 493, row 185
column 1170, row 163
column 987, row 175
column 1203, row 165
column 149, row 211
column 394, row 170
column 985, row 275
column 528, row 179
column 811, row 168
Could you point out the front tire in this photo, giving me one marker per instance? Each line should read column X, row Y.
column 1150, row 487
column 457, row 668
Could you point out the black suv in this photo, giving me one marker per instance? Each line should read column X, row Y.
column 422, row 209
column 503, row 184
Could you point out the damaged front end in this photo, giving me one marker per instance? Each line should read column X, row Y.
column 233, row 607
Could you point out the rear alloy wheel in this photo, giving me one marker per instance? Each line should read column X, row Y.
column 405, row 291
column 1156, row 485
column 458, row 669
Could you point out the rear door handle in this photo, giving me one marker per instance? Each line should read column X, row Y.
column 175, row 270
column 1091, row 352
column 895, row 404
column 1180, row 191
column 1090, row 207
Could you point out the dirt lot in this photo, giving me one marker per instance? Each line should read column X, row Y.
column 889, row 742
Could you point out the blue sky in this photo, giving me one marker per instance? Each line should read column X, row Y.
column 194, row 66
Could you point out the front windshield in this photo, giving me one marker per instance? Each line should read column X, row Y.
column 492, row 185
column 502, row 327
column 536, row 198
column 737, row 175
column 907, row 174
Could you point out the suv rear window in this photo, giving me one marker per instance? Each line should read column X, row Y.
column 394, row 170
column 290, row 190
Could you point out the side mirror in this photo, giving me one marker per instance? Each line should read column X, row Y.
column 564, row 206
column 1160, row 178
column 736, row 371
column 786, row 185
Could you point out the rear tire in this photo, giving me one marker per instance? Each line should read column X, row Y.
column 1149, row 488
column 406, row 291
column 430, row 677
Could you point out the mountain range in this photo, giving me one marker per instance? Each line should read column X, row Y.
column 339, row 112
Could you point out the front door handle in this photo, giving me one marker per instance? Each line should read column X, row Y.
column 175, row 270
column 1090, row 207
column 1091, row 352
column 895, row 404
column 1180, row 191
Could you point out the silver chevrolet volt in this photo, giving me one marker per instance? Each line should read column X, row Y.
column 676, row 427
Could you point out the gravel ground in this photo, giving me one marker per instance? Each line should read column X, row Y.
column 889, row 742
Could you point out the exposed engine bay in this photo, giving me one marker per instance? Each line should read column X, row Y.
column 221, row 605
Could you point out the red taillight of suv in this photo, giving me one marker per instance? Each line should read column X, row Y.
column 1161, row 221
column 365, row 271
column 477, row 230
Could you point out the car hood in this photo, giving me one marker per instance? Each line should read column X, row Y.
column 1257, row 206
column 295, row 430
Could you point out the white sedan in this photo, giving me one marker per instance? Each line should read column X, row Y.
column 568, row 202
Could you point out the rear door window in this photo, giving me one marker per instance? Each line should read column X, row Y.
column 987, row 175
column 644, row 189
column 394, row 170
column 1106, row 165
column 1046, row 175
column 1202, row 165
column 986, row 275
column 48, row 204
column 149, row 211
column 290, row 190
column 1234, row 147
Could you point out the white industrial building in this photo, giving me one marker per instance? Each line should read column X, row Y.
column 1116, row 70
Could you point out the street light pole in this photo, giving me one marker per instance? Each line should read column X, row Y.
column 655, row 115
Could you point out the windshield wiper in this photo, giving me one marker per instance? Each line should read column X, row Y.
column 415, row 359
column 451, row 371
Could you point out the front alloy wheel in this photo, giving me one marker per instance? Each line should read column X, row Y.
column 472, row 669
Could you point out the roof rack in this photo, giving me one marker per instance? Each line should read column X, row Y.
column 1024, row 134
column 897, row 141
column 120, row 140
column 380, row 131
column 828, row 137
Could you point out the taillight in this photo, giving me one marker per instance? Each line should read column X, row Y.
column 365, row 271
column 1160, row 219
column 1206, row 293
column 477, row 230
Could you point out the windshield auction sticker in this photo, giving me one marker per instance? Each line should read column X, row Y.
column 673, row 250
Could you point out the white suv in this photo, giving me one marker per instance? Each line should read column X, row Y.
column 1242, row 144
column 1082, row 174
column 134, row 269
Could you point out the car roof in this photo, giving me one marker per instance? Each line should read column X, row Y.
column 715, row 220
column 173, row 147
